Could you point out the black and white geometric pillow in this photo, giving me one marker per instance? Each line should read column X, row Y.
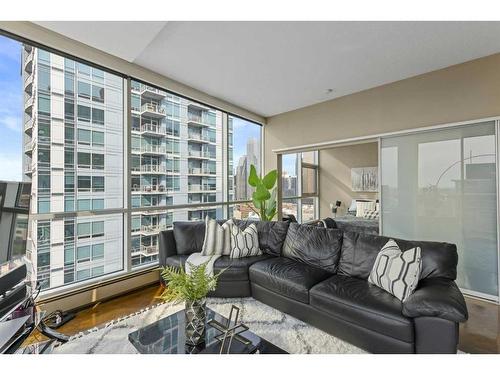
column 217, row 239
column 244, row 243
column 371, row 214
column 395, row 271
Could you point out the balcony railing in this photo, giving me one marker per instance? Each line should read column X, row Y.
column 201, row 187
column 153, row 149
column 152, row 109
column 201, row 171
column 200, row 137
column 153, row 228
column 150, row 169
column 201, row 154
column 28, row 105
column 149, row 189
column 145, row 250
column 28, row 147
column 150, row 128
column 28, row 125
column 28, row 62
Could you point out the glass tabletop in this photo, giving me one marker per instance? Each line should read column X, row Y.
column 167, row 336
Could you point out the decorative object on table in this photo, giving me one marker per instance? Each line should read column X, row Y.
column 364, row 179
column 230, row 331
column 264, row 196
column 335, row 207
column 192, row 288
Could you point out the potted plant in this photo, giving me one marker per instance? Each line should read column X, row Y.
column 192, row 289
column 264, row 196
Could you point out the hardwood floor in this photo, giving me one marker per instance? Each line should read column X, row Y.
column 480, row 334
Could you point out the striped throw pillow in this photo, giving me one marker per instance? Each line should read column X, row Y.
column 217, row 239
column 396, row 271
column 244, row 243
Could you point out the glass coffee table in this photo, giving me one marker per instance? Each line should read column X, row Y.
column 167, row 336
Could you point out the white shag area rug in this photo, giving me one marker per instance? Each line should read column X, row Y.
column 284, row 331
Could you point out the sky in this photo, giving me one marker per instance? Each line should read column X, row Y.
column 242, row 131
column 11, row 110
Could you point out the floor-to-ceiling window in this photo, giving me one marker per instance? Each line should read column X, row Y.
column 299, row 185
column 72, row 127
column 96, row 210
column 244, row 150
column 441, row 185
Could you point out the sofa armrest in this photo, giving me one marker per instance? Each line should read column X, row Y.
column 437, row 297
column 167, row 247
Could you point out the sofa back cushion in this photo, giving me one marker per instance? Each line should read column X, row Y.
column 189, row 236
column 314, row 246
column 359, row 251
column 271, row 234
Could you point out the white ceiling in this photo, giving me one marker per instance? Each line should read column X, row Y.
column 274, row 67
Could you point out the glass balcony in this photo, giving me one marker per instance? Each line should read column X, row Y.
column 151, row 149
column 28, row 105
column 145, row 250
column 201, row 137
column 149, row 169
column 201, row 171
column 150, row 128
column 152, row 189
column 152, row 110
column 200, row 154
column 28, row 61
column 152, row 92
column 201, row 187
column 28, row 83
column 28, row 125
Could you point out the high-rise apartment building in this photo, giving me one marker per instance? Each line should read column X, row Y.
column 73, row 154
column 177, row 154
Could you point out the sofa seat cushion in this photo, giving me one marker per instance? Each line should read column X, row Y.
column 359, row 302
column 287, row 277
column 236, row 268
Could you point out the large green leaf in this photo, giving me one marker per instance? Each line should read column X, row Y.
column 270, row 179
column 261, row 193
column 253, row 178
column 271, row 213
column 256, row 203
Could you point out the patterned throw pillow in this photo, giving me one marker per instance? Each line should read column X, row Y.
column 395, row 271
column 362, row 207
column 371, row 214
column 217, row 239
column 244, row 243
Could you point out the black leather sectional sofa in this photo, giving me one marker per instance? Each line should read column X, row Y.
column 320, row 277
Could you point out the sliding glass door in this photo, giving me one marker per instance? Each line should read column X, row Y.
column 441, row 185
